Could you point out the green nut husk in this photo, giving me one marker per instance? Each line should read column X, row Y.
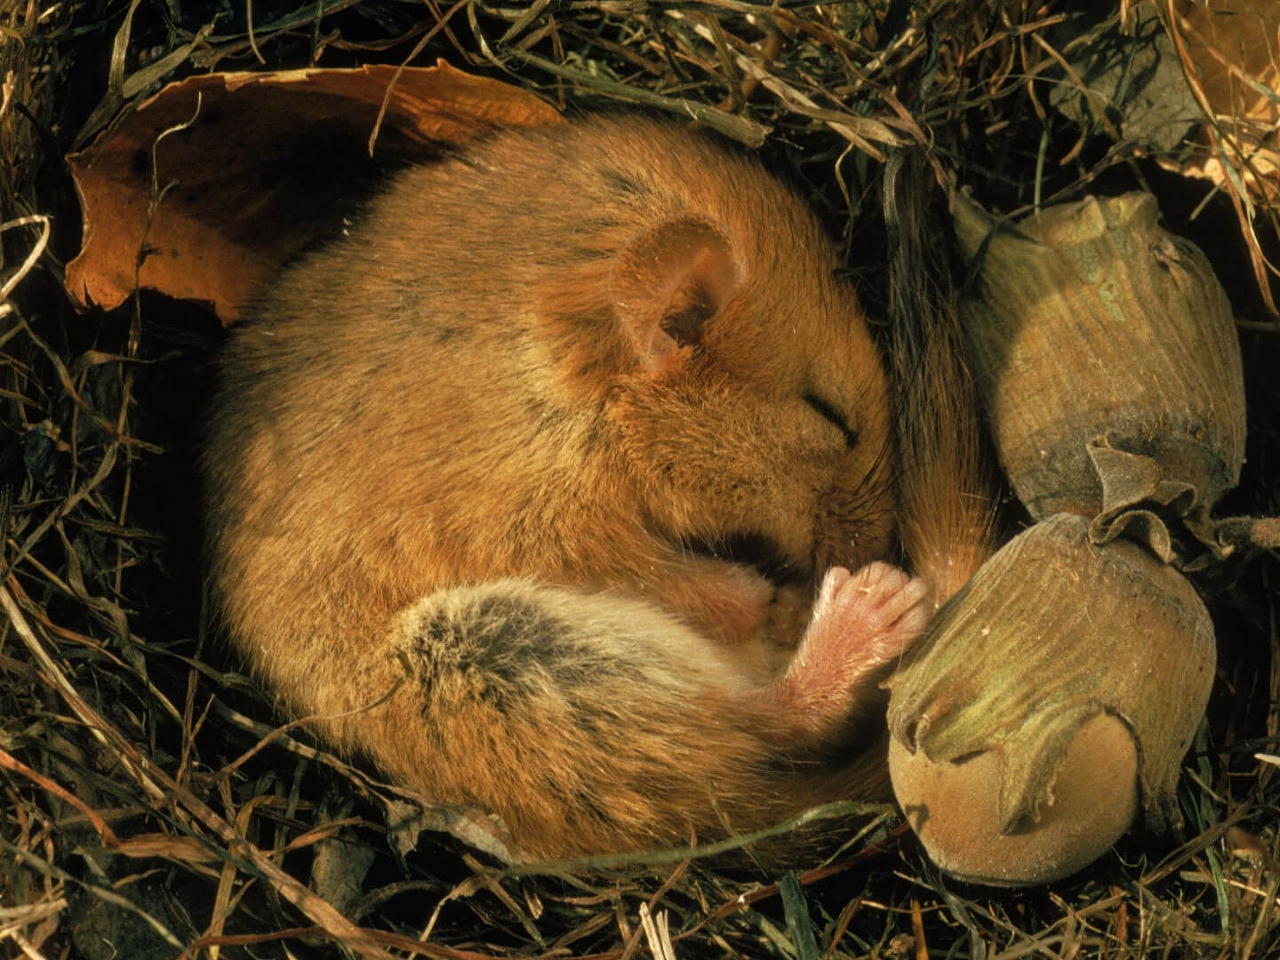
column 1108, row 364
column 1053, row 631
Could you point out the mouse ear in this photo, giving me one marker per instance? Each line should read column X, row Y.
column 668, row 281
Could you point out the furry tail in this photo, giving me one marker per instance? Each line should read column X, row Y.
column 947, row 491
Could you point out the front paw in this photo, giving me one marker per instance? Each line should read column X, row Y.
column 860, row 626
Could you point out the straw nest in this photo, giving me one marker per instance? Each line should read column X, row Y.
column 151, row 803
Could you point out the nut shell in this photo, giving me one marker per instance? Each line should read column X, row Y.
column 1103, row 343
column 1051, row 633
column 952, row 808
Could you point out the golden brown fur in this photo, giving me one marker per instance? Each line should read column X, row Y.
column 509, row 448
column 946, row 489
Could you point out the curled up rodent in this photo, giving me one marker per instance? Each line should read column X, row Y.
column 541, row 490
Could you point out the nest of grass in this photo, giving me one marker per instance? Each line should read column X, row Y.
column 151, row 803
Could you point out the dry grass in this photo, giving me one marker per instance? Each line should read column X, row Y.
column 149, row 805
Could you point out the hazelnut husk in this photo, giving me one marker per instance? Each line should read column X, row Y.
column 1055, row 696
column 997, row 758
column 1107, row 361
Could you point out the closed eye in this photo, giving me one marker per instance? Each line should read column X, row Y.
column 828, row 412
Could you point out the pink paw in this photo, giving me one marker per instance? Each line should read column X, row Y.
column 860, row 626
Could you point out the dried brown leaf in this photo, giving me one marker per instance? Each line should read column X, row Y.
column 190, row 194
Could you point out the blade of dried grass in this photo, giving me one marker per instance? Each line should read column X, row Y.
column 1262, row 931
column 27, row 858
column 1229, row 152
column 482, row 879
column 1096, row 106
column 524, row 19
column 41, row 915
column 587, row 928
column 142, row 82
column 441, row 24
column 742, row 129
column 863, row 132
column 1063, row 938
column 33, row 256
column 221, row 46
column 223, row 899
column 105, row 833
column 657, row 933
column 55, row 516
column 881, row 812
column 373, row 943
column 164, row 790
column 917, row 930
column 120, row 51
column 407, row 818
column 758, row 893
column 143, row 846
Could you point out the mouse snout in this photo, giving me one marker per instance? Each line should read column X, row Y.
column 856, row 519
